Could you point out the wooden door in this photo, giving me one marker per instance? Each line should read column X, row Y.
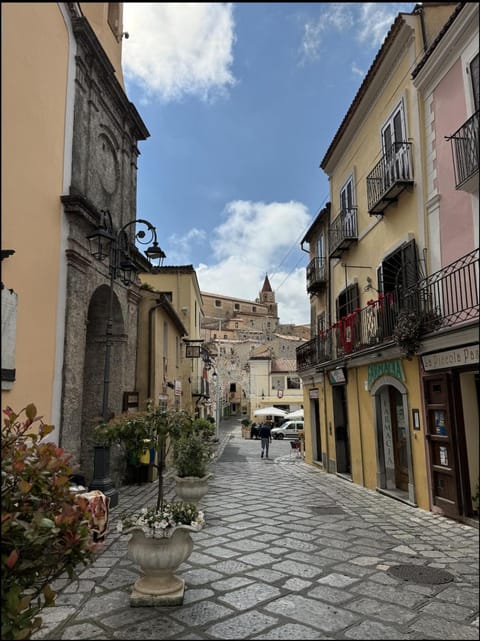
column 442, row 446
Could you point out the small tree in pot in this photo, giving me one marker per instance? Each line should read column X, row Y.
column 191, row 456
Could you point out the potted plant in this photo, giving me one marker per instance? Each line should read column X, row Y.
column 160, row 535
column 191, row 456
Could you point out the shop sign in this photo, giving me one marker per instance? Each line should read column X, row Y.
column 337, row 376
column 391, row 368
column 451, row 358
column 178, row 388
column 313, row 393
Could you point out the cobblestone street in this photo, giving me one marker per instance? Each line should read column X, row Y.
column 288, row 552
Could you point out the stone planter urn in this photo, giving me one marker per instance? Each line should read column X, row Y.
column 159, row 558
column 192, row 488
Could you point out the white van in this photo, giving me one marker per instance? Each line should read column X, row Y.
column 289, row 429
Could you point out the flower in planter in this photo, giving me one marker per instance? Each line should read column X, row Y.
column 407, row 332
column 161, row 523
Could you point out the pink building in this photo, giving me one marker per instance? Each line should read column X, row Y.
column 447, row 80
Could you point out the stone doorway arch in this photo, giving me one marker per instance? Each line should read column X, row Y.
column 387, row 475
column 94, row 368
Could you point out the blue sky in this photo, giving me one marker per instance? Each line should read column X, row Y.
column 241, row 102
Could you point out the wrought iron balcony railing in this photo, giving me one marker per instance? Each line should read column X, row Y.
column 466, row 154
column 447, row 298
column 390, row 176
column 343, row 232
column 316, row 274
column 200, row 386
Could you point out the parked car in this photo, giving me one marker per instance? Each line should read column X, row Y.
column 289, row 429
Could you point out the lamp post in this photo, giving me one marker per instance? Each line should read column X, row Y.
column 217, row 403
column 107, row 243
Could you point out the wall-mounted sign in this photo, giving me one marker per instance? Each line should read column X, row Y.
column 337, row 376
column 178, row 388
column 192, row 351
column 391, row 368
column 451, row 358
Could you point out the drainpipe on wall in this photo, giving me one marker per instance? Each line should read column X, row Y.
column 150, row 332
column 360, row 427
column 419, row 10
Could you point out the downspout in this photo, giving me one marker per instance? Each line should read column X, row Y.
column 325, row 417
column 360, row 427
column 150, row 357
column 419, row 10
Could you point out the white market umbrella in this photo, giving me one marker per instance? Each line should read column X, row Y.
column 297, row 414
column 269, row 411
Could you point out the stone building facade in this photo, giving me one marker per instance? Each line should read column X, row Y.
column 106, row 131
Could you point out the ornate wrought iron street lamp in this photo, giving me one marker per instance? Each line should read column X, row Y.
column 106, row 243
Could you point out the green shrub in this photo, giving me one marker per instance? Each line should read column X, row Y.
column 204, row 428
column 191, row 455
column 45, row 529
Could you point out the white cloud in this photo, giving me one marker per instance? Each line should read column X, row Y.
column 251, row 242
column 178, row 49
column 357, row 71
column 375, row 20
column 179, row 247
column 369, row 22
column 334, row 17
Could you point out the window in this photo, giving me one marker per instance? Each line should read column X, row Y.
column 320, row 323
column 293, row 382
column 218, row 303
column 321, row 246
column 399, row 269
column 393, row 133
column 474, row 75
column 233, row 387
column 346, row 196
column 254, row 309
column 236, row 307
column 348, row 300
column 278, row 382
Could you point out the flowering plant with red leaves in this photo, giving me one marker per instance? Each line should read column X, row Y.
column 45, row 530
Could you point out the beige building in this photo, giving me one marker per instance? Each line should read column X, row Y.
column 178, row 361
column 361, row 371
column 239, row 334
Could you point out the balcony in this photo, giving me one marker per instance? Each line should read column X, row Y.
column 465, row 155
column 449, row 297
column 315, row 352
column 343, row 232
column 200, row 387
column 316, row 275
column 392, row 175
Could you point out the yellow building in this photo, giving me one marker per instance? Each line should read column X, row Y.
column 179, row 364
column 360, row 372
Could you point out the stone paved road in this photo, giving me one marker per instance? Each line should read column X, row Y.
column 288, row 552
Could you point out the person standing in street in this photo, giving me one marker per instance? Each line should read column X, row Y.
column 266, row 437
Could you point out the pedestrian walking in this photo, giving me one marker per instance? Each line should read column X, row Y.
column 266, row 437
